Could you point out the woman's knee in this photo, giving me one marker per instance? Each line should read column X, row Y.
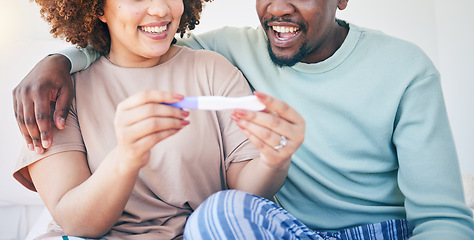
column 215, row 212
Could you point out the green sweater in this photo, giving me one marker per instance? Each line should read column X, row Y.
column 378, row 144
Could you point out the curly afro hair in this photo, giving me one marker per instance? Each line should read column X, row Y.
column 77, row 21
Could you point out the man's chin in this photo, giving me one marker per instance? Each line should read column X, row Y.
column 286, row 61
column 282, row 62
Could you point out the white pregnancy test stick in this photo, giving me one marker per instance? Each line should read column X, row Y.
column 220, row 103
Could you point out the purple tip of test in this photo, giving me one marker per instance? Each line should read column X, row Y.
column 187, row 102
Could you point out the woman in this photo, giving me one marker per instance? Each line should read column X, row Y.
column 127, row 166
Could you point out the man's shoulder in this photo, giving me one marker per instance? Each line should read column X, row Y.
column 379, row 37
column 389, row 46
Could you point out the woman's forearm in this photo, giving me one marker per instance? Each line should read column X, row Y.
column 256, row 177
column 89, row 208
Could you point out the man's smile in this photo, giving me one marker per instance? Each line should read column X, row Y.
column 283, row 34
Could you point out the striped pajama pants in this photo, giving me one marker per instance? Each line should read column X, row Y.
column 234, row 214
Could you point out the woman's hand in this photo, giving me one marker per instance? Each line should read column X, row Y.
column 47, row 84
column 142, row 121
column 277, row 131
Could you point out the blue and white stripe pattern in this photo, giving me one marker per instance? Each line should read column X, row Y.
column 78, row 238
column 234, row 214
column 388, row 230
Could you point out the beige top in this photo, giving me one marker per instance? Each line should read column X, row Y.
column 185, row 168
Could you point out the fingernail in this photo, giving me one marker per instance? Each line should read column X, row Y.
column 62, row 122
column 38, row 150
column 45, row 143
column 235, row 118
column 240, row 112
column 260, row 95
column 31, row 147
column 184, row 113
column 184, row 122
column 177, row 96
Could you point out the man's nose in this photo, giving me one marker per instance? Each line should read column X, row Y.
column 280, row 8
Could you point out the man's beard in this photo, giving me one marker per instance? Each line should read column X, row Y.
column 290, row 61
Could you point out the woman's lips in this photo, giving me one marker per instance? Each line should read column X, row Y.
column 154, row 29
column 155, row 32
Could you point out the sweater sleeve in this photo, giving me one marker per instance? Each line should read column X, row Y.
column 202, row 41
column 429, row 174
column 80, row 58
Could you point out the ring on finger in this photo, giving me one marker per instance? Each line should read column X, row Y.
column 283, row 142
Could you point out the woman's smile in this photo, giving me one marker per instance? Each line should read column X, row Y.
column 155, row 31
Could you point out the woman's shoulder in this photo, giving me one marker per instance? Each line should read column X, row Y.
column 211, row 67
column 202, row 54
column 206, row 58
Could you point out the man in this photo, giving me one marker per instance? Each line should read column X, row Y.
column 378, row 159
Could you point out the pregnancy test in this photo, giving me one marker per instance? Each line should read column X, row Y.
column 219, row 103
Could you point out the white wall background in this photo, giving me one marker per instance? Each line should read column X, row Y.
column 441, row 28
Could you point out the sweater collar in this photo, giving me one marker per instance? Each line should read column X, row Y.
column 337, row 58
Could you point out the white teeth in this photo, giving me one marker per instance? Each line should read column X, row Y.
column 154, row 29
column 282, row 29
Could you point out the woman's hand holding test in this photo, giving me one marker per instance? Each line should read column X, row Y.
column 142, row 121
column 277, row 132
